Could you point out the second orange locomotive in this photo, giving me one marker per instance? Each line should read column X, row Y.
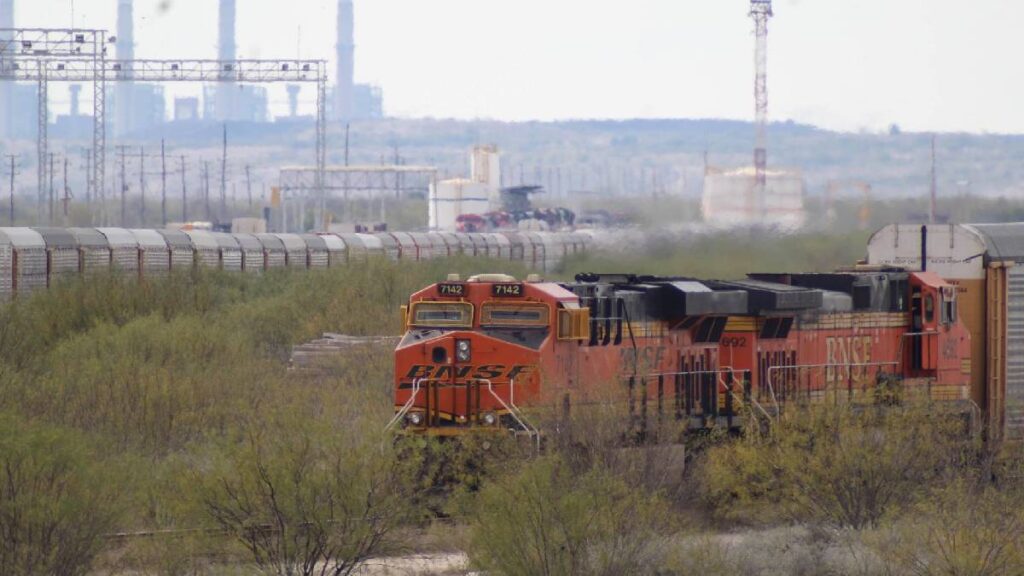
column 476, row 352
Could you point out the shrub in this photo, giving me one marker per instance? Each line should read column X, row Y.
column 962, row 529
column 55, row 502
column 305, row 499
column 844, row 466
column 547, row 520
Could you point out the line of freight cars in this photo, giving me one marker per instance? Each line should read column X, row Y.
column 36, row 258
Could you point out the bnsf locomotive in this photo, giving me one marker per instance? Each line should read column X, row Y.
column 476, row 352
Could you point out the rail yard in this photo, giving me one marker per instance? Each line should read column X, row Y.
column 351, row 288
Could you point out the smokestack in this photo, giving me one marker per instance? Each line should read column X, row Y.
column 226, row 51
column 76, row 90
column 343, row 101
column 6, row 88
column 293, row 99
column 123, row 104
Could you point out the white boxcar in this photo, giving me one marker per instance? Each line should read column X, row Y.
column 230, row 251
column 93, row 249
column 154, row 254
column 316, row 248
column 296, row 250
column 23, row 262
column 392, row 249
column 252, row 252
column 124, row 249
column 183, row 255
column 62, row 257
column 337, row 251
column 206, row 248
column 374, row 245
column 273, row 250
column 357, row 250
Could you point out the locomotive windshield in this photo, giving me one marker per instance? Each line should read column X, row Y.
column 515, row 315
column 442, row 315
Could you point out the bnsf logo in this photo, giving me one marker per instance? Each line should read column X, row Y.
column 484, row 372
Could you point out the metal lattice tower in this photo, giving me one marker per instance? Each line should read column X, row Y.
column 761, row 12
column 71, row 55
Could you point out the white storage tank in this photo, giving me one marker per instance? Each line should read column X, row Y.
column 731, row 200
column 449, row 199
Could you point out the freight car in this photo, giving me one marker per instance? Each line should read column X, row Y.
column 35, row 258
column 476, row 352
column 984, row 262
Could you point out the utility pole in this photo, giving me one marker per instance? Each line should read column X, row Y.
column 67, row 192
column 184, row 192
column 87, row 155
column 124, row 186
column 142, row 186
column 14, row 172
column 163, row 183
column 248, row 185
column 206, row 189
column 52, row 191
column 224, row 176
column 934, row 187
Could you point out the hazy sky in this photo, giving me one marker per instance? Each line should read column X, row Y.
column 843, row 64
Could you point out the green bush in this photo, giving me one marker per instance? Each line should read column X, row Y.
column 56, row 501
column 548, row 520
column 844, row 466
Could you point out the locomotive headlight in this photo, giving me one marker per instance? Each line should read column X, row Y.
column 414, row 418
column 462, row 350
column 490, row 418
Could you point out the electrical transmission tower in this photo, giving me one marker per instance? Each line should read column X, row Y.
column 761, row 12
column 45, row 55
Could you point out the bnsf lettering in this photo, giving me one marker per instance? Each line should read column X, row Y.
column 734, row 342
column 484, row 372
column 650, row 358
column 842, row 354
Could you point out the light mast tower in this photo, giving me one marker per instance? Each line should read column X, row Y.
column 761, row 12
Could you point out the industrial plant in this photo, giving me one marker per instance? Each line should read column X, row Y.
column 137, row 108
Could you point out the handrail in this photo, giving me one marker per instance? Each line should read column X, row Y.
column 513, row 410
column 720, row 371
column 768, row 374
column 407, row 406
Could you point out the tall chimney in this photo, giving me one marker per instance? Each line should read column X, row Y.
column 123, row 94
column 76, row 91
column 6, row 88
column 343, row 100
column 226, row 51
column 293, row 99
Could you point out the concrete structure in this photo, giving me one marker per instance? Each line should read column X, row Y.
column 137, row 107
column 731, row 199
column 227, row 101
column 186, row 109
column 344, row 99
column 123, row 101
column 485, row 168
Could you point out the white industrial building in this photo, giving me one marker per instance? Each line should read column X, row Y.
column 479, row 194
column 731, row 199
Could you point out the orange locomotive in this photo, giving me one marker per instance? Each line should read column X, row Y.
column 476, row 352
